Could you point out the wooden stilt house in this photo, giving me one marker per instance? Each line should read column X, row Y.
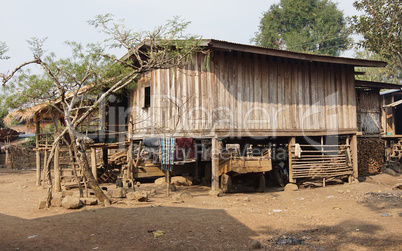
column 250, row 98
column 238, row 110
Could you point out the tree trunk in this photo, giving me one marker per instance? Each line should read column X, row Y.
column 47, row 174
column 73, row 152
column 87, row 172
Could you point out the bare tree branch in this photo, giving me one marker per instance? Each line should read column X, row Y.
column 7, row 77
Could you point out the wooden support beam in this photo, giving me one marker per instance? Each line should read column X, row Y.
column 215, row 165
column 56, row 158
column 38, row 168
column 105, row 157
column 130, row 161
column 93, row 163
column 353, row 144
column 57, row 174
column 292, row 141
column 44, row 164
column 7, row 162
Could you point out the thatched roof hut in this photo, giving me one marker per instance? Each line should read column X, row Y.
column 24, row 115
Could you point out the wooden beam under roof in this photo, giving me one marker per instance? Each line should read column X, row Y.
column 381, row 85
column 223, row 45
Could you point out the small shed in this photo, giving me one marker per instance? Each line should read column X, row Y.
column 371, row 109
column 374, row 146
column 392, row 116
column 391, row 101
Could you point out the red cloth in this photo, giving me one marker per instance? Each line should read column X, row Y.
column 187, row 145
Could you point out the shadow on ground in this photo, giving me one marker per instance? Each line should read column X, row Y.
column 347, row 235
column 127, row 229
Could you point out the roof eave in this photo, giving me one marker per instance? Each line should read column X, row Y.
column 293, row 55
column 380, row 85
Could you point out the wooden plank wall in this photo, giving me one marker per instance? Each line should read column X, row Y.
column 247, row 92
column 368, row 111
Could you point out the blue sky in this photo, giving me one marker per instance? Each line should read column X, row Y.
column 60, row 21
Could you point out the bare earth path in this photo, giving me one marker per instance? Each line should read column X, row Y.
column 363, row 216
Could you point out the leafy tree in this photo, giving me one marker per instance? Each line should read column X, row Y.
column 381, row 28
column 3, row 112
column 389, row 74
column 65, row 84
column 3, row 50
column 313, row 26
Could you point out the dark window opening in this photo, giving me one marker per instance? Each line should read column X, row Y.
column 147, row 96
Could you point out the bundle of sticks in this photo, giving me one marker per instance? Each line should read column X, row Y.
column 371, row 155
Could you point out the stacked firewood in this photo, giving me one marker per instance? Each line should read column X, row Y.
column 118, row 158
column 371, row 155
column 116, row 161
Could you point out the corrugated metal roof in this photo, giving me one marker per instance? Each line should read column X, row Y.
column 389, row 92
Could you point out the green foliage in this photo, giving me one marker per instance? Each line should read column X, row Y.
column 389, row 74
column 3, row 111
column 22, row 95
column 381, row 28
column 85, row 67
column 31, row 141
column 36, row 46
column 312, row 26
column 3, row 50
column 164, row 47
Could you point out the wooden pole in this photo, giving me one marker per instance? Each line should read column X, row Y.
column 292, row 141
column 93, row 163
column 197, row 162
column 130, row 161
column 215, row 165
column 44, row 162
column 57, row 176
column 105, row 158
column 167, row 180
column 7, row 163
column 56, row 159
column 38, row 171
column 353, row 144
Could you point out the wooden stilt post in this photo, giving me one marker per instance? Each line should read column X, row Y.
column 38, row 171
column 292, row 141
column 353, row 146
column 56, row 159
column 93, row 163
column 168, row 180
column 197, row 161
column 197, row 167
column 215, row 165
column 105, row 157
column 7, row 162
column 44, row 162
column 57, row 176
column 130, row 161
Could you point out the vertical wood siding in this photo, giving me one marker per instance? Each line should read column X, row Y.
column 241, row 91
column 368, row 112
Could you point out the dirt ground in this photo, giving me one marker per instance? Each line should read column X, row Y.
column 362, row 216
